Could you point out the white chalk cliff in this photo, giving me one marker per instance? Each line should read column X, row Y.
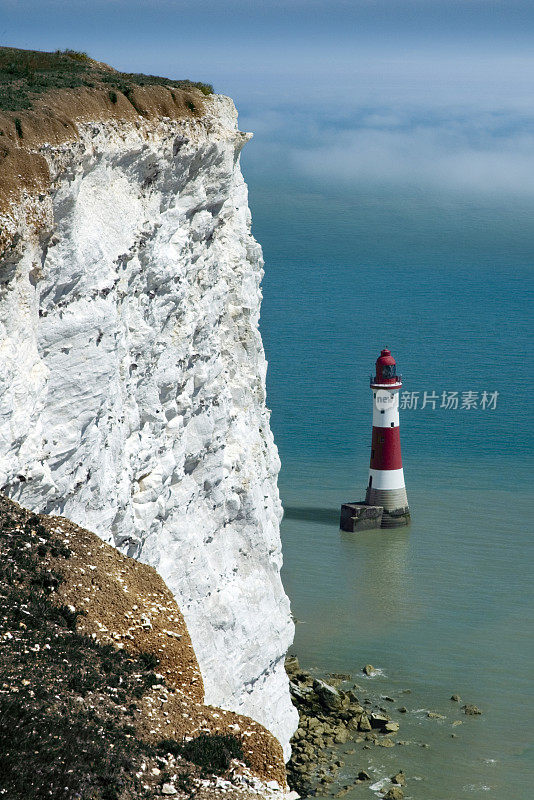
column 132, row 382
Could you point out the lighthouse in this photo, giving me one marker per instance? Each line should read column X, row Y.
column 386, row 503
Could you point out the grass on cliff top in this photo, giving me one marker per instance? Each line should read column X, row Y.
column 69, row 705
column 25, row 74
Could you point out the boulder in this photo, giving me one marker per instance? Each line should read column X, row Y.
column 341, row 736
column 300, row 694
column 363, row 775
column 456, row 698
column 402, row 710
column 368, row 670
column 292, row 664
column 471, row 710
column 364, row 724
column 391, row 727
column 395, row 793
column 399, row 779
column 329, row 697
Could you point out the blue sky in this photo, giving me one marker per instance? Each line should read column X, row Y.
column 421, row 93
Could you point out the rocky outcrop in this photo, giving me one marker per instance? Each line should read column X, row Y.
column 132, row 373
column 329, row 717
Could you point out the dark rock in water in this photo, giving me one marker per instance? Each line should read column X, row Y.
column 456, row 698
column 378, row 720
column 369, row 669
column 363, row 776
column 402, row 710
column 435, row 715
column 329, row 697
column 399, row 778
column 395, row 793
column 388, row 699
column 471, row 709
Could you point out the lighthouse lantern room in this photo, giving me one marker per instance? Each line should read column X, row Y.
column 386, row 503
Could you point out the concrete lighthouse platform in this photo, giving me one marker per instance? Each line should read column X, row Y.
column 363, row 517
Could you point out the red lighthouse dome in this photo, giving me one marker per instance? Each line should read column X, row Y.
column 386, row 371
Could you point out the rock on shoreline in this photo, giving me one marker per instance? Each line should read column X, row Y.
column 328, row 717
column 331, row 716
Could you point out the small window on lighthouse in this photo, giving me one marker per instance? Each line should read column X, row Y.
column 382, row 411
column 392, row 424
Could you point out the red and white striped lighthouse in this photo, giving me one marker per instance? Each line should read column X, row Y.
column 386, row 477
column 386, row 503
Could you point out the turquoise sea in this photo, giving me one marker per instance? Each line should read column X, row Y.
column 446, row 605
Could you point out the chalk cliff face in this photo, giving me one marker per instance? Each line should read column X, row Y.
column 132, row 381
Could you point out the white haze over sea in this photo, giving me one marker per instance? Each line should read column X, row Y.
column 417, row 121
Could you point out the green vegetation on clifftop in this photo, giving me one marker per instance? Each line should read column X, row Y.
column 25, row 74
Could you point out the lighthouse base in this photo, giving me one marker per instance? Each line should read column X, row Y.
column 364, row 517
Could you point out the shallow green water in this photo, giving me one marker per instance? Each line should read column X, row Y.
column 445, row 605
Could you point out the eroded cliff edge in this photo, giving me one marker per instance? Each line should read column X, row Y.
column 132, row 373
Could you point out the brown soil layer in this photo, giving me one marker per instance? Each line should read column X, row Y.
column 125, row 603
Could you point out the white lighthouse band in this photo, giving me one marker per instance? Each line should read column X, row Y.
column 385, row 408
